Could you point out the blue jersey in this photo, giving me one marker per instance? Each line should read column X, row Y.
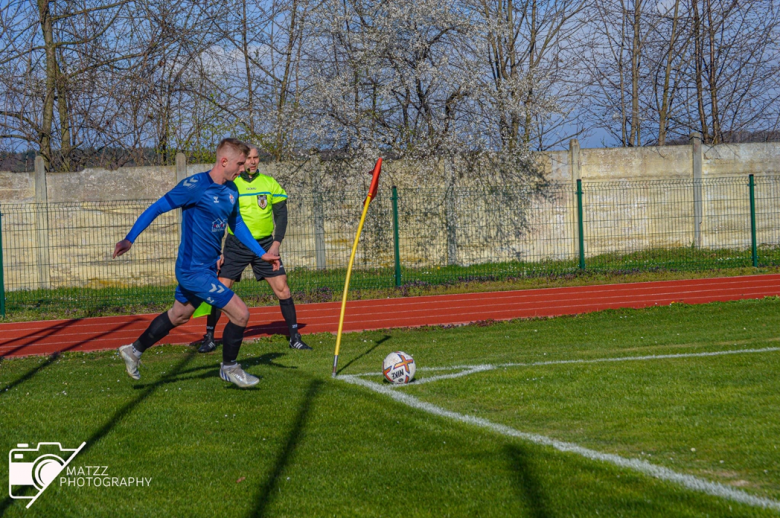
column 208, row 208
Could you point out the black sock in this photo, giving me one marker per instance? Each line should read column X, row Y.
column 157, row 330
column 231, row 342
column 288, row 312
column 212, row 319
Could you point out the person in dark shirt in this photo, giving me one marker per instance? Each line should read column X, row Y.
column 263, row 204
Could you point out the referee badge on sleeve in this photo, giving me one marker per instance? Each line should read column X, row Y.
column 262, row 201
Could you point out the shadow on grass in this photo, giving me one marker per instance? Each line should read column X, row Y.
column 36, row 336
column 32, row 372
column 147, row 390
column 212, row 371
column 278, row 327
column 529, row 488
column 266, row 359
column 369, row 351
column 6, row 503
column 52, row 358
column 270, row 488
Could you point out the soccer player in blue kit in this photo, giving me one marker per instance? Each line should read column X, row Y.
column 209, row 202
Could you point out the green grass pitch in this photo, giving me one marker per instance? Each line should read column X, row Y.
column 304, row 444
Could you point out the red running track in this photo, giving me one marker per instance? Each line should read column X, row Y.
column 93, row 334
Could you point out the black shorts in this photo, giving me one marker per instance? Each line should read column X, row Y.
column 238, row 257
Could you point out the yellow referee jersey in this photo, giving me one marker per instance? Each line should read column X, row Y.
column 256, row 197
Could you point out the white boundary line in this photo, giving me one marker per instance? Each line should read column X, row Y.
column 472, row 369
column 659, row 472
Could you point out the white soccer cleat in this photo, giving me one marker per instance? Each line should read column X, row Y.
column 238, row 376
column 131, row 362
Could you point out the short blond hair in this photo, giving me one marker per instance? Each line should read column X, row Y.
column 228, row 145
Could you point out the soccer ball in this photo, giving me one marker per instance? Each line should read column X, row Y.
column 398, row 367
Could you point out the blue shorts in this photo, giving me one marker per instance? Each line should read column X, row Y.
column 197, row 287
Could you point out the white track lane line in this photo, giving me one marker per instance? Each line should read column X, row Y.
column 472, row 369
column 659, row 472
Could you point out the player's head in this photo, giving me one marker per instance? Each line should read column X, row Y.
column 252, row 159
column 231, row 157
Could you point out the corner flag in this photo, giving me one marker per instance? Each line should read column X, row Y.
column 372, row 192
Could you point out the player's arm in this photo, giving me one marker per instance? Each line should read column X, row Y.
column 280, row 225
column 241, row 231
column 176, row 197
column 279, row 207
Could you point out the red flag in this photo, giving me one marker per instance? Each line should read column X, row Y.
column 375, row 180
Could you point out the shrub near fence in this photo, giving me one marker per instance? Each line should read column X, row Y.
column 59, row 254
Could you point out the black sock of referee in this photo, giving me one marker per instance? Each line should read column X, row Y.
column 212, row 319
column 288, row 312
column 157, row 330
column 231, row 343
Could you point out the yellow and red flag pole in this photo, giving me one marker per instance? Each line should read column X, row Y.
column 371, row 195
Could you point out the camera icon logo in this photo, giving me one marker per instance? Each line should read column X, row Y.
column 31, row 470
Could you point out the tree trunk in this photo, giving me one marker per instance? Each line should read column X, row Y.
column 699, row 65
column 717, row 138
column 531, row 69
column 249, row 86
column 63, row 108
column 635, row 138
column 282, row 130
column 665, row 95
column 621, row 73
column 44, row 14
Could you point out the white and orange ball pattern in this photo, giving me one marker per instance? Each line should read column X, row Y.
column 398, row 367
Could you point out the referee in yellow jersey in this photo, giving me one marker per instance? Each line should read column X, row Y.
column 263, row 206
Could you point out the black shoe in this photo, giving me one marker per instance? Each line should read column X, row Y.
column 297, row 343
column 208, row 344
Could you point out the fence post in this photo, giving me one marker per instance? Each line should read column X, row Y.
column 42, row 223
column 753, row 248
column 697, row 196
column 395, row 238
column 2, row 276
column 181, row 167
column 318, row 214
column 574, row 159
column 450, row 213
column 580, row 226
column 576, row 174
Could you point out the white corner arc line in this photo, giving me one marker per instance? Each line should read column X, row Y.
column 472, row 369
column 688, row 481
column 469, row 370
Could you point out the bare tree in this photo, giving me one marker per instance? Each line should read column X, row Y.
column 620, row 33
column 528, row 44
column 62, row 43
column 670, row 60
column 735, row 65
column 134, row 80
column 253, row 71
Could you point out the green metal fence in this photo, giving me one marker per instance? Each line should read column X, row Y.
column 58, row 255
